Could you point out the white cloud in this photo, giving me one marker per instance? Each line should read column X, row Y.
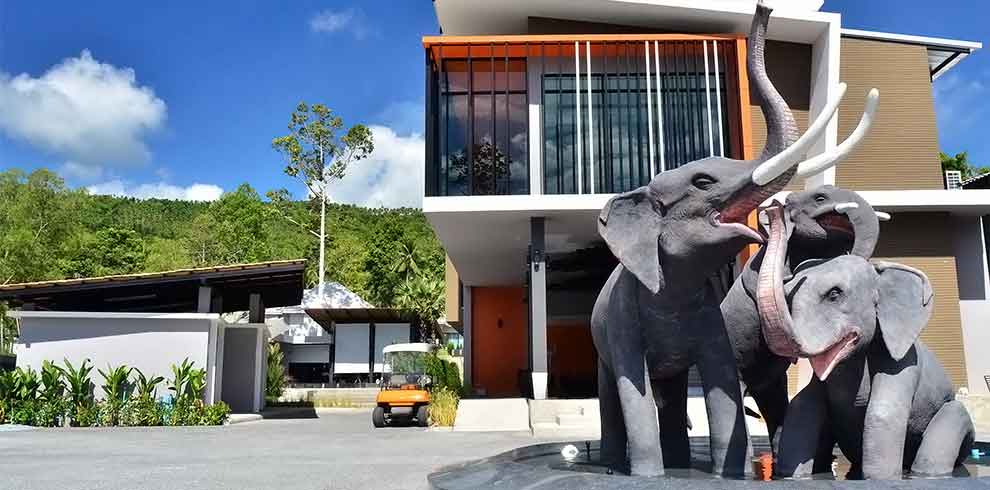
column 330, row 21
column 78, row 171
column 959, row 102
column 86, row 111
column 159, row 190
column 391, row 177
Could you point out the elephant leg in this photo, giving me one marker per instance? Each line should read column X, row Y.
column 639, row 413
column 771, row 398
column 826, row 446
column 613, row 445
column 671, row 397
column 799, row 437
column 728, row 437
column 946, row 441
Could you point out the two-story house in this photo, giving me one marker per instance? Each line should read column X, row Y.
column 537, row 112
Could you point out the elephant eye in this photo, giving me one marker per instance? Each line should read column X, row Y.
column 703, row 182
column 833, row 294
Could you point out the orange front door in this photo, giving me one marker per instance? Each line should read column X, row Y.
column 499, row 347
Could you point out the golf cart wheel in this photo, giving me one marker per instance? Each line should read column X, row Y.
column 423, row 415
column 378, row 416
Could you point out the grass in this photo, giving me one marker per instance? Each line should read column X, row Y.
column 443, row 407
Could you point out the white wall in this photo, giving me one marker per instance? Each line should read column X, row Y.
column 974, row 298
column 151, row 342
column 352, row 345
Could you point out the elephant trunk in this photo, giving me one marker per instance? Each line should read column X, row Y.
column 775, row 316
column 782, row 130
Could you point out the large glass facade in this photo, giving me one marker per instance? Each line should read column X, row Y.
column 624, row 103
column 481, row 126
column 612, row 113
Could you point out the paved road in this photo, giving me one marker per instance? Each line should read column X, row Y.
column 338, row 450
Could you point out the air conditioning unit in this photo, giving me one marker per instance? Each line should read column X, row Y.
column 953, row 179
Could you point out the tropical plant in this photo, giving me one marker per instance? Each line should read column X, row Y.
column 116, row 385
column 216, row 414
column 424, row 297
column 275, row 374
column 961, row 163
column 196, row 385
column 443, row 373
column 80, row 409
column 180, row 378
column 146, row 386
column 26, row 384
column 6, row 394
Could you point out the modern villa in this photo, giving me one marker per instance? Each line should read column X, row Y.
column 539, row 111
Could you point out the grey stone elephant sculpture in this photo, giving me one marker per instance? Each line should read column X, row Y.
column 880, row 392
column 827, row 222
column 655, row 317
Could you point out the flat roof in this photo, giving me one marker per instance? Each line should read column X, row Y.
column 943, row 53
column 279, row 282
column 324, row 316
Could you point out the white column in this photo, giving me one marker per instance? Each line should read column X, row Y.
column 649, row 111
column 708, row 102
column 825, row 75
column 535, row 88
column 577, row 115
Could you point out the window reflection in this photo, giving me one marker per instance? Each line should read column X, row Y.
column 484, row 127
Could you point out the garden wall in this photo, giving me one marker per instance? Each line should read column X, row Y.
column 151, row 342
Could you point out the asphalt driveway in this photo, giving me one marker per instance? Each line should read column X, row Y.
column 337, row 450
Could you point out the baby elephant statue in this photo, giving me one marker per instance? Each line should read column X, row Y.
column 858, row 323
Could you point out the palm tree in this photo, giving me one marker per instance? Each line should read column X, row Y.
column 424, row 297
column 407, row 258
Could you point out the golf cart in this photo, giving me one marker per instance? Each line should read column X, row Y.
column 404, row 384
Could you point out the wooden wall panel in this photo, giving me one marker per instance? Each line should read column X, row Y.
column 452, row 296
column 921, row 240
column 904, row 139
column 498, row 339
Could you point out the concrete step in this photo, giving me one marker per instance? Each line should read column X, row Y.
column 492, row 415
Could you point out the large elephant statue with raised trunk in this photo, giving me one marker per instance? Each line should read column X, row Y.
column 656, row 316
column 878, row 392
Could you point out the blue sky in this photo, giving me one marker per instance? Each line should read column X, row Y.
column 182, row 99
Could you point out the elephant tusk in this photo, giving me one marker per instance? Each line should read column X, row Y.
column 882, row 216
column 839, row 153
column 779, row 163
column 842, row 207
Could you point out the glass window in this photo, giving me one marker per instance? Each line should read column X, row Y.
column 483, row 126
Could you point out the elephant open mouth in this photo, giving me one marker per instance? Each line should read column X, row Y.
column 823, row 362
column 837, row 223
column 735, row 222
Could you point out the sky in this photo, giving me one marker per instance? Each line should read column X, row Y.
column 182, row 99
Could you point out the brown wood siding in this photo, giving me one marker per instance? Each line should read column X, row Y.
column 920, row 240
column 452, row 297
column 789, row 68
column 904, row 139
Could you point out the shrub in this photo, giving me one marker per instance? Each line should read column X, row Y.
column 146, row 386
column 444, row 373
column 443, row 407
column 80, row 390
column 85, row 415
column 23, row 412
column 6, row 394
column 275, row 376
column 140, row 411
column 215, row 414
column 116, row 388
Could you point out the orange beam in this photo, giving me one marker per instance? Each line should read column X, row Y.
column 555, row 38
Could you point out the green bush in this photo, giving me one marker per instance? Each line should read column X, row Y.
column 64, row 396
column 275, row 375
column 444, row 373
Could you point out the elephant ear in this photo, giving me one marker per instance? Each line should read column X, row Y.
column 630, row 225
column 904, row 305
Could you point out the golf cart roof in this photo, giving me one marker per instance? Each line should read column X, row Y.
column 417, row 347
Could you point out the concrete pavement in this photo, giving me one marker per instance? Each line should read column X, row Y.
column 335, row 449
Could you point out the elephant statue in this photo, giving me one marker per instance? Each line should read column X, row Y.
column 827, row 222
column 880, row 393
column 655, row 316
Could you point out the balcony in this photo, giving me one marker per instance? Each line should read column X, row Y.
column 578, row 114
